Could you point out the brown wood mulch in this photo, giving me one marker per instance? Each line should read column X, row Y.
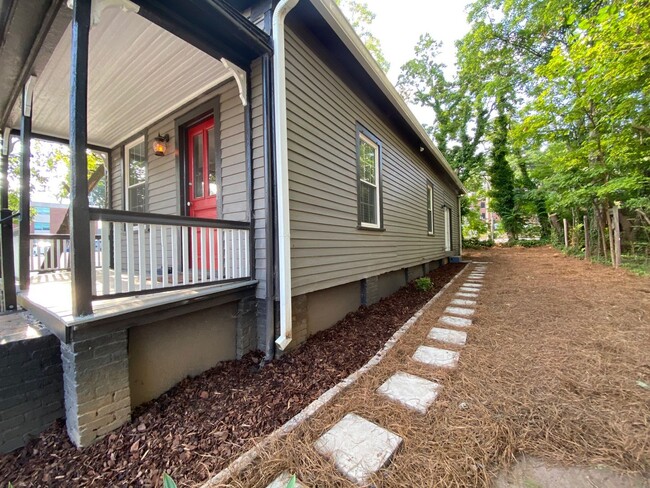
column 198, row 427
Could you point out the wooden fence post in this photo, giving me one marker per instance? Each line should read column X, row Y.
column 617, row 237
column 566, row 233
column 585, row 220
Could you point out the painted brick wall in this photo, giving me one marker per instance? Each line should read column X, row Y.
column 31, row 389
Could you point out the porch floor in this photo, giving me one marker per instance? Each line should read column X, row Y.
column 49, row 299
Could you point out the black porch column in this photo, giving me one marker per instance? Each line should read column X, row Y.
column 6, row 230
column 79, row 216
column 24, row 251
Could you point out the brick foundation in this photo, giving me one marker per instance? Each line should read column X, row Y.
column 31, row 389
column 96, row 386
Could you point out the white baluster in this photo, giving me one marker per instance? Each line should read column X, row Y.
column 106, row 258
column 117, row 246
column 174, row 231
column 153, row 230
column 185, row 235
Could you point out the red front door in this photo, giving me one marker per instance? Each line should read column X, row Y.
column 202, row 171
column 202, row 193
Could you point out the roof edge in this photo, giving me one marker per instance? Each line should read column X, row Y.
column 340, row 25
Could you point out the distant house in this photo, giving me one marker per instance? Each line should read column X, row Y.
column 265, row 179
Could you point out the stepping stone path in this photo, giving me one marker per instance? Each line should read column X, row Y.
column 465, row 312
column 440, row 358
column 411, row 391
column 360, row 448
column 455, row 321
column 449, row 336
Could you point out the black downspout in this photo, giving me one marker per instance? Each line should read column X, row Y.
column 24, row 252
column 80, row 258
column 270, row 230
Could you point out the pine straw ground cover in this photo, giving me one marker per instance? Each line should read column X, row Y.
column 550, row 370
column 198, row 427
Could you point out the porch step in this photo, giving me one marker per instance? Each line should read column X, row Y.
column 358, row 447
column 411, row 391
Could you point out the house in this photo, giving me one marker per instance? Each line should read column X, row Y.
column 264, row 179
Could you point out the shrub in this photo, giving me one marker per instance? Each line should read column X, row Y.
column 423, row 284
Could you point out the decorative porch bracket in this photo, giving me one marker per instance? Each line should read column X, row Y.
column 240, row 77
column 80, row 262
column 98, row 7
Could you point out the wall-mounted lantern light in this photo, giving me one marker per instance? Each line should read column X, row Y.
column 160, row 144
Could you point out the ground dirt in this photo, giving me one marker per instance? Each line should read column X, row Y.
column 553, row 371
column 199, row 426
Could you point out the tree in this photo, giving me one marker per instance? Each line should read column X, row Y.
column 361, row 19
column 502, row 178
column 459, row 115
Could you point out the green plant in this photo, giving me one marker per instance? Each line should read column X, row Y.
column 423, row 284
column 168, row 482
column 292, row 482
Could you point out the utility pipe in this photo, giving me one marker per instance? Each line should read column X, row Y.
column 282, row 171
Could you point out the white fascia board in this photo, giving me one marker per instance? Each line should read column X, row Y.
column 337, row 21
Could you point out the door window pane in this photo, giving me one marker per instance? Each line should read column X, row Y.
column 212, row 166
column 197, row 155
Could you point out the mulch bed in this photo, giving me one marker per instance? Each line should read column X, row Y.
column 199, row 426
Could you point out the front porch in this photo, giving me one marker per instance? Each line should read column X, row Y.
column 181, row 234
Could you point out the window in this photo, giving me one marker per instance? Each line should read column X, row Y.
column 368, row 161
column 135, row 170
column 447, row 228
column 430, row 209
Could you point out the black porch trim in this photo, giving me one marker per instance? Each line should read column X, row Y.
column 61, row 140
column 172, row 304
column 24, row 252
column 79, row 214
column 212, row 26
column 127, row 217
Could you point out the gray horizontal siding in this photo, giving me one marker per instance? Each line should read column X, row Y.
column 327, row 248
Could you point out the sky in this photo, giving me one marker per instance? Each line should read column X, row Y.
column 399, row 24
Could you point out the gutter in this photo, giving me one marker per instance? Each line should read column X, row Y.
column 282, row 171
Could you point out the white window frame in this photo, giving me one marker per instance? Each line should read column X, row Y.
column 127, row 169
column 376, row 184
column 447, row 212
column 430, row 214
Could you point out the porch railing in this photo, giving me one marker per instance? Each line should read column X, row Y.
column 51, row 252
column 153, row 251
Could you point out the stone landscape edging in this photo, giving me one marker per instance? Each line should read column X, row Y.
column 306, row 413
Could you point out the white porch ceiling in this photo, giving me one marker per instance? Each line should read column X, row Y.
column 137, row 73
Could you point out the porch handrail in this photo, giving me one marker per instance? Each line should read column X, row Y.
column 127, row 217
column 144, row 253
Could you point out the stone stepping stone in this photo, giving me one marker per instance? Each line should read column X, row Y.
column 465, row 312
column 282, row 480
column 440, row 358
column 449, row 336
column 467, row 303
column 472, row 285
column 466, row 289
column 475, row 277
column 466, row 295
column 358, row 447
column 411, row 391
column 455, row 321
